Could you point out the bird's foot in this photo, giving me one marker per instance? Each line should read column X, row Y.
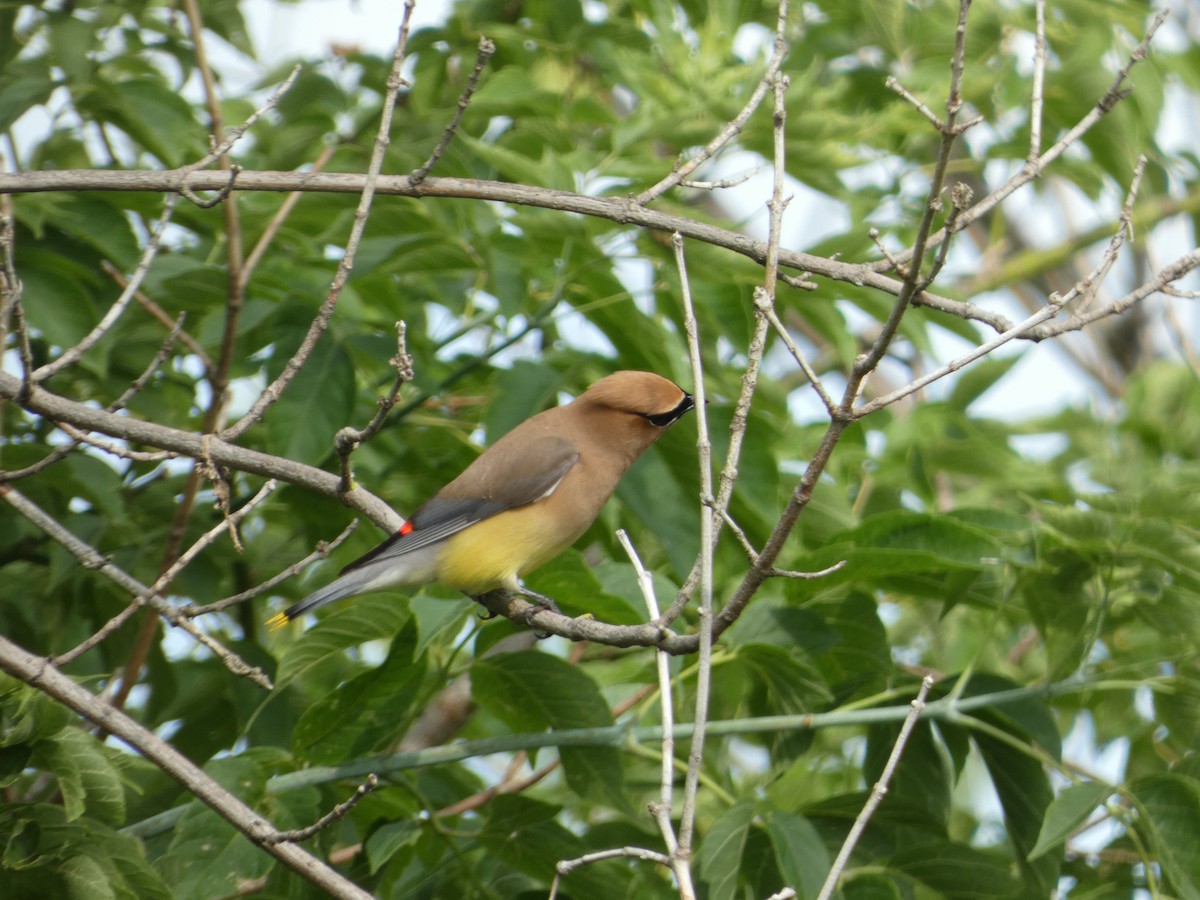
column 540, row 603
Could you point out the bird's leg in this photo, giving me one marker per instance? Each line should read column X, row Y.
column 540, row 603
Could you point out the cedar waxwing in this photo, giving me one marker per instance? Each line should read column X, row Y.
column 523, row 501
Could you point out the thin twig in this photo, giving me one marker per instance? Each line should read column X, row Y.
column 92, row 559
column 566, row 866
column 878, row 792
column 786, row 337
column 303, row 834
column 285, row 209
column 806, row 576
column 722, row 183
column 72, row 355
column 273, row 391
column 1037, row 99
column 321, row 552
column 681, row 855
column 661, row 811
column 41, row 674
column 348, row 439
column 222, row 139
column 1115, row 93
column 731, row 130
column 78, row 436
column 960, row 199
column 482, row 55
column 159, row 314
column 893, row 84
column 228, row 523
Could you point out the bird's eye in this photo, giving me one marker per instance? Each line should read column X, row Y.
column 662, row 420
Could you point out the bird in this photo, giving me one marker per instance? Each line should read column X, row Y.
column 524, row 500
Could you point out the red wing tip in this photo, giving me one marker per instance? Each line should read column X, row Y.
column 406, row 528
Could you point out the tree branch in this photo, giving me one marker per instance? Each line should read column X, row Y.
column 38, row 672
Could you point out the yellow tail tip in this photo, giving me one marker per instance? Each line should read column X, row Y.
column 277, row 621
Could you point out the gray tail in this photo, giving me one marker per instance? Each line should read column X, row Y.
column 354, row 582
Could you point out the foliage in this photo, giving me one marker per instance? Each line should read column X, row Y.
column 1049, row 558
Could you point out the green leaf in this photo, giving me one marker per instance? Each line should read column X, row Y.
column 387, row 841
column 438, row 618
column 957, row 872
column 207, row 856
column 1070, row 809
column 46, row 855
column 980, row 377
column 155, row 117
column 720, row 853
column 791, row 685
column 522, row 391
column 870, row 886
column 574, row 584
column 88, row 781
column 1026, row 717
column 355, row 622
column 86, row 877
column 1172, row 821
column 301, row 425
column 359, row 716
column 532, row 691
column 800, row 852
column 1025, row 794
column 924, row 778
column 22, row 86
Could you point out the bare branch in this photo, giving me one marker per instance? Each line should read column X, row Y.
column 187, row 443
column 72, row 355
column 913, row 285
column 1115, row 93
column 325, row 313
column 322, row 552
column 41, row 674
column 683, row 169
column 482, row 55
column 348, row 439
column 877, row 793
column 600, row 207
column 661, row 811
column 303, row 834
column 90, row 558
column 1037, row 100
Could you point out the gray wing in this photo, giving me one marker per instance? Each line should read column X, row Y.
column 490, row 485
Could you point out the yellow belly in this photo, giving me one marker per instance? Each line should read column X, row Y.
column 498, row 551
